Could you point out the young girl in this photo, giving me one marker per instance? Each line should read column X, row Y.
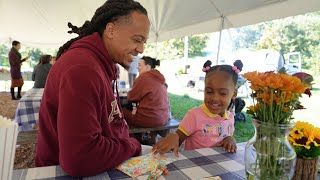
column 209, row 124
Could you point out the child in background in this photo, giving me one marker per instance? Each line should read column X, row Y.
column 210, row 124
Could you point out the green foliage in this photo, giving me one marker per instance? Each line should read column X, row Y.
column 174, row 48
column 4, row 51
column 35, row 54
column 196, row 45
column 299, row 33
column 180, row 105
column 248, row 36
column 180, row 71
column 305, row 153
column 244, row 131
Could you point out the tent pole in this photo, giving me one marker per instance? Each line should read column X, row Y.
column 221, row 29
column 156, row 48
column 185, row 54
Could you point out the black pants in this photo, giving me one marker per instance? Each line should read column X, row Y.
column 12, row 93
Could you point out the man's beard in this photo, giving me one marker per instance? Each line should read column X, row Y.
column 126, row 67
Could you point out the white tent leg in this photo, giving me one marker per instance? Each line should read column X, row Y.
column 156, row 47
column 221, row 29
column 186, row 50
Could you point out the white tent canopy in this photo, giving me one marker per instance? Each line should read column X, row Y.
column 44, row 22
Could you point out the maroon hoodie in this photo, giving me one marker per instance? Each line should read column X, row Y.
column 150, row 91
column 81, row 126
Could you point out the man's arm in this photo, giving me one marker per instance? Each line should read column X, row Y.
column 84, row 150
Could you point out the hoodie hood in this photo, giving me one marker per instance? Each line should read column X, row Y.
column 95, row 44
column 156, row 75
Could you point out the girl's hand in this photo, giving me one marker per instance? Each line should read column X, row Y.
column 166, row 144
column 229, row 144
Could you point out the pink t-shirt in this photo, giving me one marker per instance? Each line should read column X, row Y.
column 205, row 129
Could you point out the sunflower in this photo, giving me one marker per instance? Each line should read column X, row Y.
column 314, row 137
column 302, row 142
column 317, row 136
column 296, row 133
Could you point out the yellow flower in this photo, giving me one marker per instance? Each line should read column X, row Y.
column 291, row 139
column 313, row 137
column 251, row 108
column 254, row 108
column 302, row 142
column 296, row 133
column 317, row 136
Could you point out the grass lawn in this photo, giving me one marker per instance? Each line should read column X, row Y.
column 181, row 104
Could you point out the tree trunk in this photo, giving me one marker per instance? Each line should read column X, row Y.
column 306, row 169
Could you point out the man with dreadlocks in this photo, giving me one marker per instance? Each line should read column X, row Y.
column 81, row 126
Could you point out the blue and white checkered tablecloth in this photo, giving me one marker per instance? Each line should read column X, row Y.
column 192, row 164
column 27, row 113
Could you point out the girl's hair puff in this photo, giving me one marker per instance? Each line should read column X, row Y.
column 231, row 70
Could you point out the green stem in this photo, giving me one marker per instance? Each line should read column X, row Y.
column 271, row 107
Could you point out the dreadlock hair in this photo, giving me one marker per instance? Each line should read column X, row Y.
column 151, row 61
column 110, row 11
column 225, row 68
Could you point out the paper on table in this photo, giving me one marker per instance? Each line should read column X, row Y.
column 139, row 165
column 211, row 178
column 8, row 140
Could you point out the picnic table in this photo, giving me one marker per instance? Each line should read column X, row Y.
column 27, row 113
column 192, row 164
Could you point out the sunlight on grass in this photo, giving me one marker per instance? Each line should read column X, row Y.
column 181, row 104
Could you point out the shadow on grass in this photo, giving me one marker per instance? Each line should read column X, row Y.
column 180, row 105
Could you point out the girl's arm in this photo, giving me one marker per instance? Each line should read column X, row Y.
column 172, row 141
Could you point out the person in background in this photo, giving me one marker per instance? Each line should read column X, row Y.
column 210, row 124
column 150, row 97
column 41, row 71
column 81, row 125
column 133, row 70
column 53, row 60
column 15, row 69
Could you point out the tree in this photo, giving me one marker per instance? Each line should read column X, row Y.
column 4, row 51
column 174, row 48
column 25, row 51
column 296, row 34
column 248, row 36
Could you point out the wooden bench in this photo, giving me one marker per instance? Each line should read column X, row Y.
column 28, row 137
column 172, row 123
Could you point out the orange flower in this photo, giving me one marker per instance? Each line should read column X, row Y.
column 254, row 108
column 285, row 109
column 277, row 93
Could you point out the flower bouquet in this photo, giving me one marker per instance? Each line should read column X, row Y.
column 305, row 139
column 275, row 96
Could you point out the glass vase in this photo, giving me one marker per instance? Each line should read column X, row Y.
column 268, row 155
